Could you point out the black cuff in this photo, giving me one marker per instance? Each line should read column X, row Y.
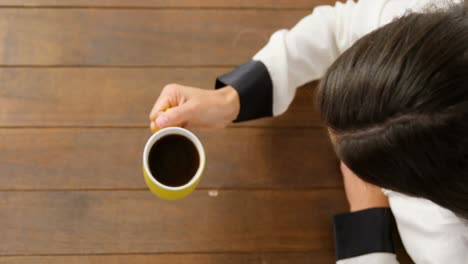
column 253, row 83
column 363, row 232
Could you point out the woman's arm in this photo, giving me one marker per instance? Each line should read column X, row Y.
column 267, row 83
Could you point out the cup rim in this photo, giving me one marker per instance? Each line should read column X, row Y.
column 174, row 131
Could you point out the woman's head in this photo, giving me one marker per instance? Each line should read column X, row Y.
column 397, row 105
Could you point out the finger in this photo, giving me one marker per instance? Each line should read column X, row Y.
column 161, row 104
column 153, row 127
column 176, row 116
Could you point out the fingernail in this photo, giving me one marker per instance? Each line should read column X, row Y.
column 162, row 121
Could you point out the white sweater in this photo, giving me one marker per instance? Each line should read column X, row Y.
column 430, row 233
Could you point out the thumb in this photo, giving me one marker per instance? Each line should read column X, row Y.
column 175, row 116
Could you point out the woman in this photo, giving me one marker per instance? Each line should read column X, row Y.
column 396, row 105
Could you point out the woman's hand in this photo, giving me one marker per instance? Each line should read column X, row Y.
column 361, row 195
column 185, row 106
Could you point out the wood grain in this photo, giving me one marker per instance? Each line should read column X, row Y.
column 322, row 256
column 111, row 159
column 297, row 4
column 78, row 80
column 136, row 222
column 123, row 37
column 113, row 97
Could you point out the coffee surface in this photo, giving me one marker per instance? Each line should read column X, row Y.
column 173, row 160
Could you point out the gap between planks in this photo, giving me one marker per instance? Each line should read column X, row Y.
column 110, row 66
column 153, row 7
column 165, row 253
column 313, row 127
column 204, row 189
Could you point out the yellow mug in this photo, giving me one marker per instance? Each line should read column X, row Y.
column 169, row 192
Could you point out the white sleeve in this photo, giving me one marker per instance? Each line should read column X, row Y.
column 304, row 53
column 430, row 233
column 267, row 84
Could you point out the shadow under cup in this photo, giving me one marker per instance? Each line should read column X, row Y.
column 158, row 185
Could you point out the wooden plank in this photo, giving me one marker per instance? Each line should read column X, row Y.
column 112, row 96
column 270, row 258
column 136, row 37
column 111, row 159
column 296, row 4
column 93, row 222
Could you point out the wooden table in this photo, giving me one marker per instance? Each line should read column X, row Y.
column 77, row 82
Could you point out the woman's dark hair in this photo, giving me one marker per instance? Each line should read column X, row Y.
column 396, row 103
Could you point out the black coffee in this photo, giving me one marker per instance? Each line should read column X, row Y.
column 173, row 160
